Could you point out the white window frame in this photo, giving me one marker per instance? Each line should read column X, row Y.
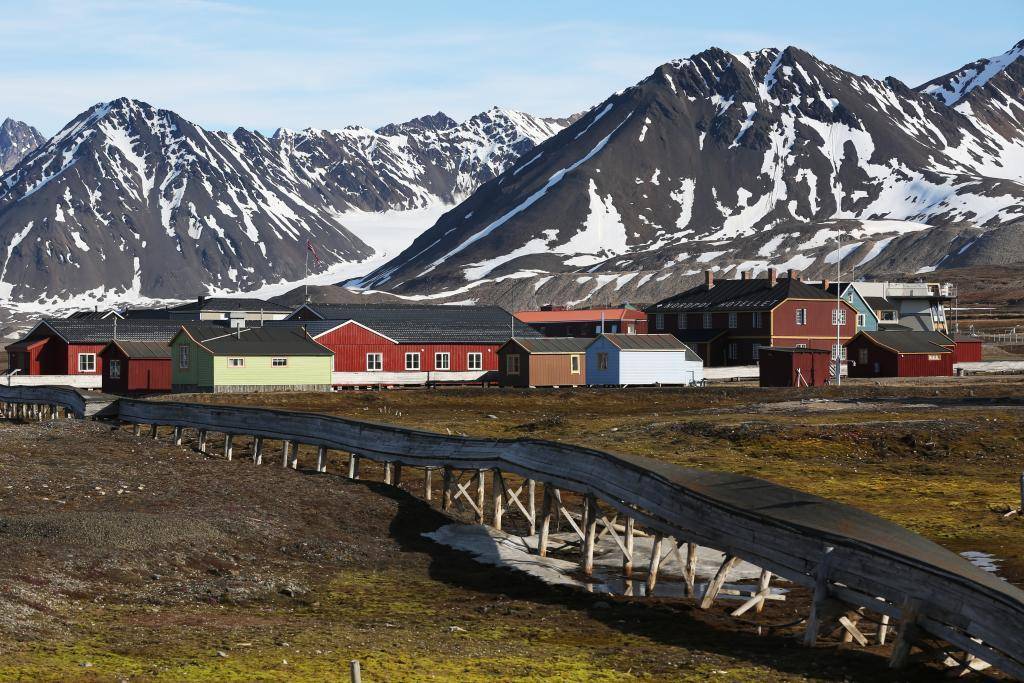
column 375, row 362
column 681, row 322
column 475, row 355
column 274, row 362
column 602, row 360
column 801, row 346
column 839, row 316
column 183, row 357
column 659, row 321
column 512, row 368
column 801, row 316
column 82, row 358
column 755, row 320
column 889, row 315
column 708, row 321
column 446, row 364
column 413, row 356
column 233, row 364
column 114, row 364
column 575, row 364
column 734, row 320
column 841, row 351
column 861, row 320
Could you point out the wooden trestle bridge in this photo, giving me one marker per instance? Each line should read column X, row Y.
column 871, row 579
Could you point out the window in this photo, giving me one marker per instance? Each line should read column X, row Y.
column 602, row 360
column 755, row 320
column 838, row 316
column 838, row 351
column 574, row 364
column 862, row 356
column 889, row 316
column 183, row 357
column 475, row 361
column 512, row 364
column 934, row 356
column 801, row 316
column 412, row 361
column 755, row 351
column 87, row 362
column 236, row 362
column 278, row 362
column 707, row 321
column 374, row 362
column 659, row 321
column 861, row 320
column 681, row 321
column 115, row 368
column 733, row 321
column 442, row 361
column 801, row 346
column 734, row 351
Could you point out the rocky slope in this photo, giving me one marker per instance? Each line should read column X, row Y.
column 16, row 140
column 735, row 162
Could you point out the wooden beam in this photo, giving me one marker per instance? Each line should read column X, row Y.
column 907, row 635
column 627, row 551
column 655, row 563
column 427, row 488
column 152, row 431
column 531, row 505
column 137, row 429
column 590, row 533
column 547, row 511
column 690, row 573
column 387, row 473
column 852, row 631
column 498, row 494
column 481, row 495
column 353, row 466
column 202, row 441
column 565, row 513
column 321, row 459
column 763, row 588
column 257, row 450
column 821, row 595
column 446, row 488
column 177, row 436
column 716, row 583
column 883, row 630
column 228, row 446
column 286, row 448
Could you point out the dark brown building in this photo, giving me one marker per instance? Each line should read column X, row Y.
column 795, row 367
column 543, row 362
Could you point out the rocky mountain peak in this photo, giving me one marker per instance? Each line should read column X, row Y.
column 435, row 122
column 16, row 140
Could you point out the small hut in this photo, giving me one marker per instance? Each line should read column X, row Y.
column 794, row 367
column 136, row 367
column 543, row 362
column 639, row 359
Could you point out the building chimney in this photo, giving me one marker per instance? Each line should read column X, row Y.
column 745, row 275
column 793, row 274
column 709, row 279
column 772, row 277
column 201, row 298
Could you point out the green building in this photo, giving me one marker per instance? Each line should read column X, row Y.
column 207, row 357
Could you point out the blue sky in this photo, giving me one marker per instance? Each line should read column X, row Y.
column 266, row 64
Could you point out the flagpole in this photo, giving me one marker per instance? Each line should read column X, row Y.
column 305, row 282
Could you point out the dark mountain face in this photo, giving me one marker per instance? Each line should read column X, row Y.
column 736, row 162
column 16, row 140
column 129, row 201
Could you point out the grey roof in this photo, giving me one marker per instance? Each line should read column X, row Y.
column 255, row 341
column 143, row 349
column 553, row 344
column 880, row 303
column 650, row 342
column 226, row 304
column 95, row 315
column 102, row 331
column 911, row 341
column 428, row 323
column 731, row 295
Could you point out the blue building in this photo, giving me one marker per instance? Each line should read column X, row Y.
column 867, row 318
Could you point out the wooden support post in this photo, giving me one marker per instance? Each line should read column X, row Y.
column 498, row 493
column 481, row 496
column 690, row 573
column 353, row 671
column 387, row 473
column 202, row 441
column 353, row 466
column 820, row 596
column 427, row 484
column 257, row 450
column 152, row 431
column 850, row 630
column 396, row 474
column 883, row 630
column 590, row 515
column 295, row 455
column 908, row 633
column 627, row 557
column 531, row 505
column 655, row 563
column 716, row 583
column 229, row 446
column 286, row 448
column 177, row 436
column 547, row 510
column 763, row 588
column 321, row 459
column 446, row 488
column 137, row 430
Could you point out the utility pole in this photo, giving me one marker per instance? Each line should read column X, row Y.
column 839, row 307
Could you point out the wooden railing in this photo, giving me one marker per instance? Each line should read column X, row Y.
column 864, row 572
column 34, row 401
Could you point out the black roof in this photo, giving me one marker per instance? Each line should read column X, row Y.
column 228, row 304
column 553, row 344
column 147, row 313
column 254, row 341
column 731, row 295
column 650, row 342
column 911, row 341
column 102, row 331
column 95, row 315
column 143, row 349
column 794, row 349
column 427, row 323
column 880, row 303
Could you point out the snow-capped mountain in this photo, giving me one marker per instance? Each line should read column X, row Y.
column 16, row 140
column 736, row 162
column 129, row 201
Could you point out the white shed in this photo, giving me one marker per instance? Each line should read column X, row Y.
column 621, row 359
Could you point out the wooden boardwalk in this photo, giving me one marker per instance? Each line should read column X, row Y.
column 871, row 579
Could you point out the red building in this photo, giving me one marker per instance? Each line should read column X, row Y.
column 136, row 367
column 586, row 322
column 900, row 353
column 72, row 346
column 410, row 343
column 729, row 322
column 967, row 349
column 795, row 367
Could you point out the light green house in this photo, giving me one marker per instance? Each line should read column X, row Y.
column 207, row 357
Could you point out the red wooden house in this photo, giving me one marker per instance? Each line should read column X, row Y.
column 383, row 344
column 967, row 349
column 795, row 367
column 900, row 353
column 729, row 322
column 136, row 367
column 72, row 346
